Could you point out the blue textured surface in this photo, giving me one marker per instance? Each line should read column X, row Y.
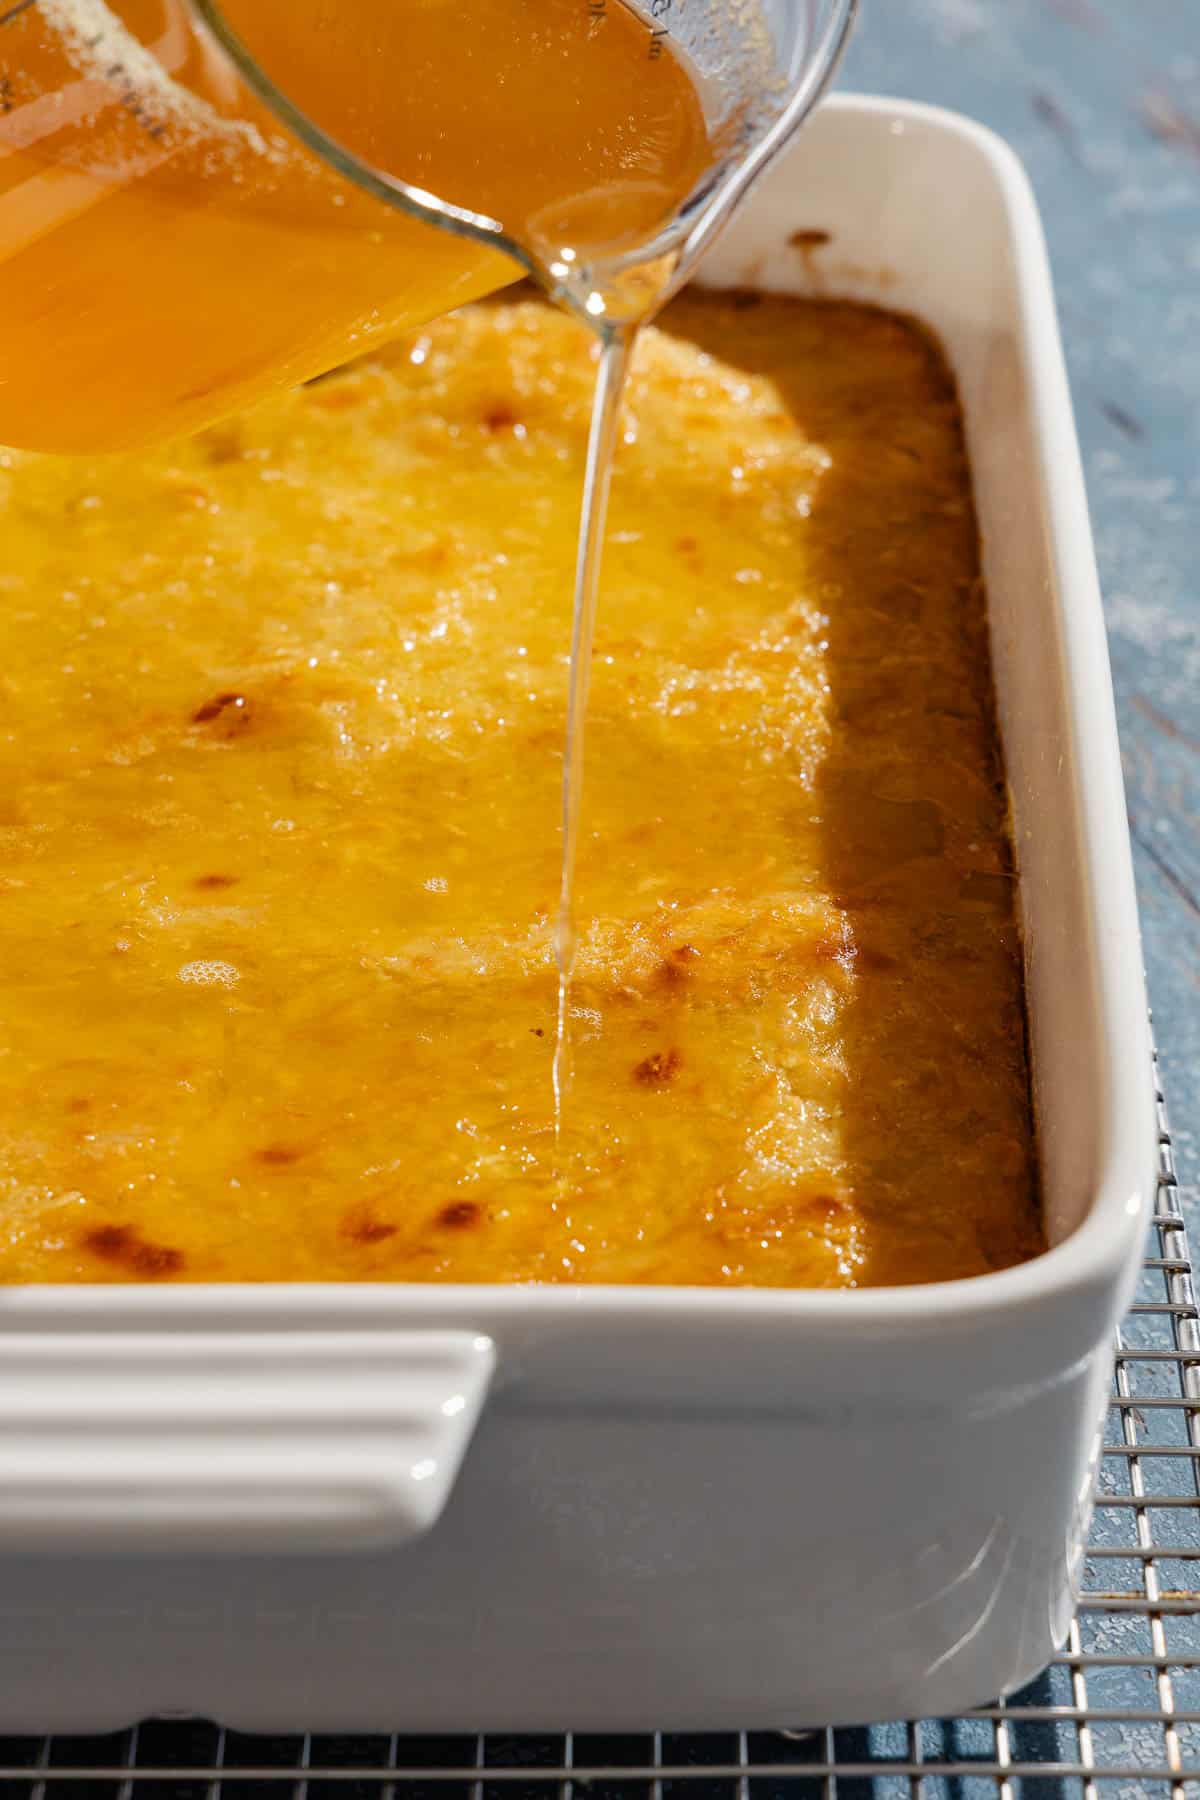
column 1101, row 100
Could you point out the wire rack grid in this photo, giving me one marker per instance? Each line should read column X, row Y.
column 1116, row 1713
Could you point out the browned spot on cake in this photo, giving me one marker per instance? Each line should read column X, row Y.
column 212, row 709
column 278, row 1156
column 362, row 1227
column 500, row 417
column 108, row 1240
column 215, row 881
column 659, row 1068
column 121, row 1244
column 812, row 239
column 156, row 1259
column 677, row 966
column 686, row 545
column 458, row 1215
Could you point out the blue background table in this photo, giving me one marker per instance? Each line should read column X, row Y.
column 1101, row 100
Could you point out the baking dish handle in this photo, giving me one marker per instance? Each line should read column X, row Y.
column 208, row 1440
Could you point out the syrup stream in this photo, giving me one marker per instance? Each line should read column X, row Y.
column 616, row 348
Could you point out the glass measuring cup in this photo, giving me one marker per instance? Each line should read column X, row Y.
column 202, row 200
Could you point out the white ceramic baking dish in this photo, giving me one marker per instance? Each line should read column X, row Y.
column 487, row 1508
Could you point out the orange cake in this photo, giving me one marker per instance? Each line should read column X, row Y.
column 282, row 741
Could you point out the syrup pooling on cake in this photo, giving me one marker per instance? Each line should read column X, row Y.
column 281, row 753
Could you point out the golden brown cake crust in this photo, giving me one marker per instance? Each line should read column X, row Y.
column 278, row 793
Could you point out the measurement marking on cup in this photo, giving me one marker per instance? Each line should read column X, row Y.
column 14, row 12
column 658, row 10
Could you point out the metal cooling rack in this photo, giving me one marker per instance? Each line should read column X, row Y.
column 1121, row 1705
